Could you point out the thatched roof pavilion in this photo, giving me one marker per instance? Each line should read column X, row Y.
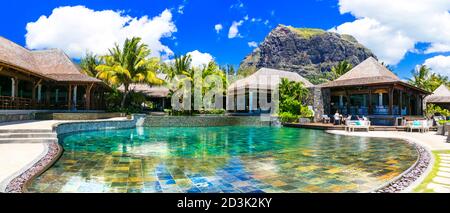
column 46, row 79
column 440, row 97
column 372, row 90
column 265, row 78
column 257, row 85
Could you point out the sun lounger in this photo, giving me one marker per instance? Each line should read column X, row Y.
column 351, row 125
column 420, row 125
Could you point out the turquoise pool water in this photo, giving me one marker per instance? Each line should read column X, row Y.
column 223, row 159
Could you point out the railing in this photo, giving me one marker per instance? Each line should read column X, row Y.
column 8, row 102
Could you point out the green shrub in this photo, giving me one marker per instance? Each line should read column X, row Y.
column 434, row 110
column 305, row 112
column 442, row 122
column 287, row 117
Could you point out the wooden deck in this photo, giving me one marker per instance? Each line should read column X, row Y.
column 323, row 126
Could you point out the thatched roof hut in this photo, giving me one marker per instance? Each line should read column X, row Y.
column 440, row 96
column 368, row 72
column 265, row 78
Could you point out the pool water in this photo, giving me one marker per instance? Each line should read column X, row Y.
column 223, row 159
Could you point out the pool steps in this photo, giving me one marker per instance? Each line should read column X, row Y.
column 27, row 136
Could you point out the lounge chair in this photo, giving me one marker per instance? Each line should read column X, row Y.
column 325, row 119
column 351, row 125
column 420, row 125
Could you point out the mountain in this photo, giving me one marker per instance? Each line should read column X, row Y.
column 309, row 52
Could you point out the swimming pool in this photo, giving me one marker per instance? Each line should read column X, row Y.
column 223, row 159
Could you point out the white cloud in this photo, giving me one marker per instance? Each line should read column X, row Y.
column 233, row 32
column 252, row 44
column 218, row 27
column 246, row 17
column 78, row 29
column 439, row 64
column 266, row 22
column 389, row 45
column 438, row 48
column 199, row 58
column 181, row 9
column 406, row 21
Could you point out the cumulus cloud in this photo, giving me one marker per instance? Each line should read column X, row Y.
column 439, row 64
column 252, row 44
column 78, row 29
column 233, row 32
column 407, row 22
column 218, row 28
column 388, row 44
column 199, row 58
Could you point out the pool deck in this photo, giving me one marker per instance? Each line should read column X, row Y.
column 430, row 139
column 17, row 157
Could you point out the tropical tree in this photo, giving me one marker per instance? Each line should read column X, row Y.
column 129, row 64
column 339, row 69
column 420, row 78
column 88, row 64
column 293, row 101
column 180, row 71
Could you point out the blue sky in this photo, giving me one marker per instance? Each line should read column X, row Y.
column 195, row 22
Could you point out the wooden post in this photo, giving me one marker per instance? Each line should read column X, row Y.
column 35, row 85
column 409, row 104
column 391, row 100
column 88, row 96
column 400, row 102
column 348, row 102
column 69, row 97
column 370, row 101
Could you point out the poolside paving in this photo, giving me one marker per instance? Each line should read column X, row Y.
column 16, row 157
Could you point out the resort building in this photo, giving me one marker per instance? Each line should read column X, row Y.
column 243, row 96
column 45, row 79
column 440, row 97
column 370, row 89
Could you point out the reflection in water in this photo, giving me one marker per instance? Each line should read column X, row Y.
column 223, row 159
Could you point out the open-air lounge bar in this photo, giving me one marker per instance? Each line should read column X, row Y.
column 371, row 90
column 45, row 79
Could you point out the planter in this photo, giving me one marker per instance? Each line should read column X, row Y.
column 304, row 120
column 440, row 130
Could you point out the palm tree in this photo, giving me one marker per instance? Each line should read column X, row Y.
column 180, row 71
column 89, row 63
column 420, row 78
column 127, row 65
column 339, row 69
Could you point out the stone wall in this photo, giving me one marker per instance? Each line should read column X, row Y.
column 77, row 116
column 16, row 117
column 204, row 121
column 65, row 128
column 317, row 104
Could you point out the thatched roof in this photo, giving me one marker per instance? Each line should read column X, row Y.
column 368, row 72
column 440, row 95
column 149, row 90
column 266, row 78
column 52, row 64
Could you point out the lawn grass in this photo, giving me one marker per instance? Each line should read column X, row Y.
column 423, row 186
